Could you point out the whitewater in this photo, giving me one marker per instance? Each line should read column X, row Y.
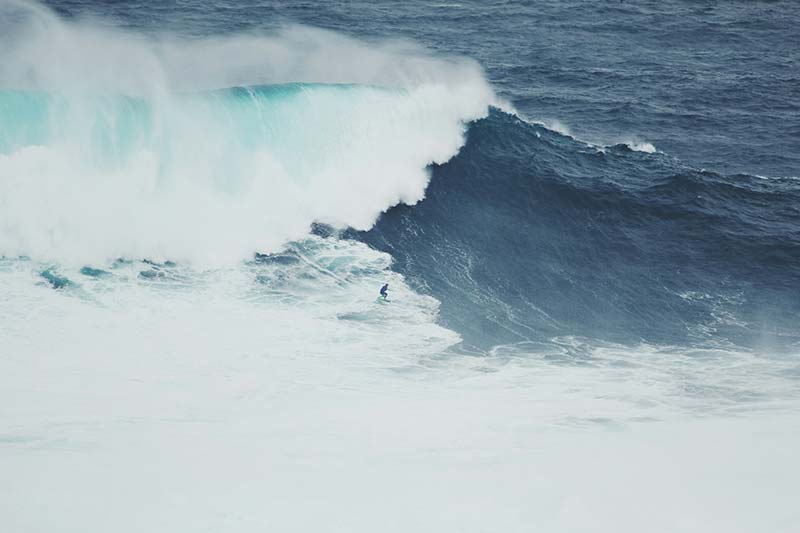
column 193, row 231
column 188, row 156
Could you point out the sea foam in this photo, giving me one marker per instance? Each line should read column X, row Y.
column 118, row 144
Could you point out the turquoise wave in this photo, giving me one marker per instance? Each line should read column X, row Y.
column 113, row 126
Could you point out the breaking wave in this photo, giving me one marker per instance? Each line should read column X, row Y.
column 117, row 145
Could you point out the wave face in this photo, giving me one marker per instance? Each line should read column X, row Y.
column 529, row 234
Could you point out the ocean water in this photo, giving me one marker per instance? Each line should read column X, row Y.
column 588, row 214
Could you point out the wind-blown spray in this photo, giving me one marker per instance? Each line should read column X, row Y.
column 114, row 145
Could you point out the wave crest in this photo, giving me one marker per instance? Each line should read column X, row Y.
column 113, row 144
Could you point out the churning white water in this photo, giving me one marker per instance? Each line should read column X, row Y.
column 284, row 397
column 115, row 145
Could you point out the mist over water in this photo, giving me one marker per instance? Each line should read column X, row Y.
column 198, row 205
column 119, row 146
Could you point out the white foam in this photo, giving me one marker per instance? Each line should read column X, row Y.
column 285, row 397
column 196, row 187
column 551, row 124
column 639, row 146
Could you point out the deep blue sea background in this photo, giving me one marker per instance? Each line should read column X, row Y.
column 529, row 234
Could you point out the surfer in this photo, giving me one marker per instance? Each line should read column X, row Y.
column 385, row 291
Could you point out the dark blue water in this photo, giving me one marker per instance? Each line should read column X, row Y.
column 529, row 234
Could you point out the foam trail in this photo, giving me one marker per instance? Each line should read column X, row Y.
column 633, row 143
column 113, row 144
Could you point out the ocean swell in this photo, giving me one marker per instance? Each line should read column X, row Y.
column 529, row 235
